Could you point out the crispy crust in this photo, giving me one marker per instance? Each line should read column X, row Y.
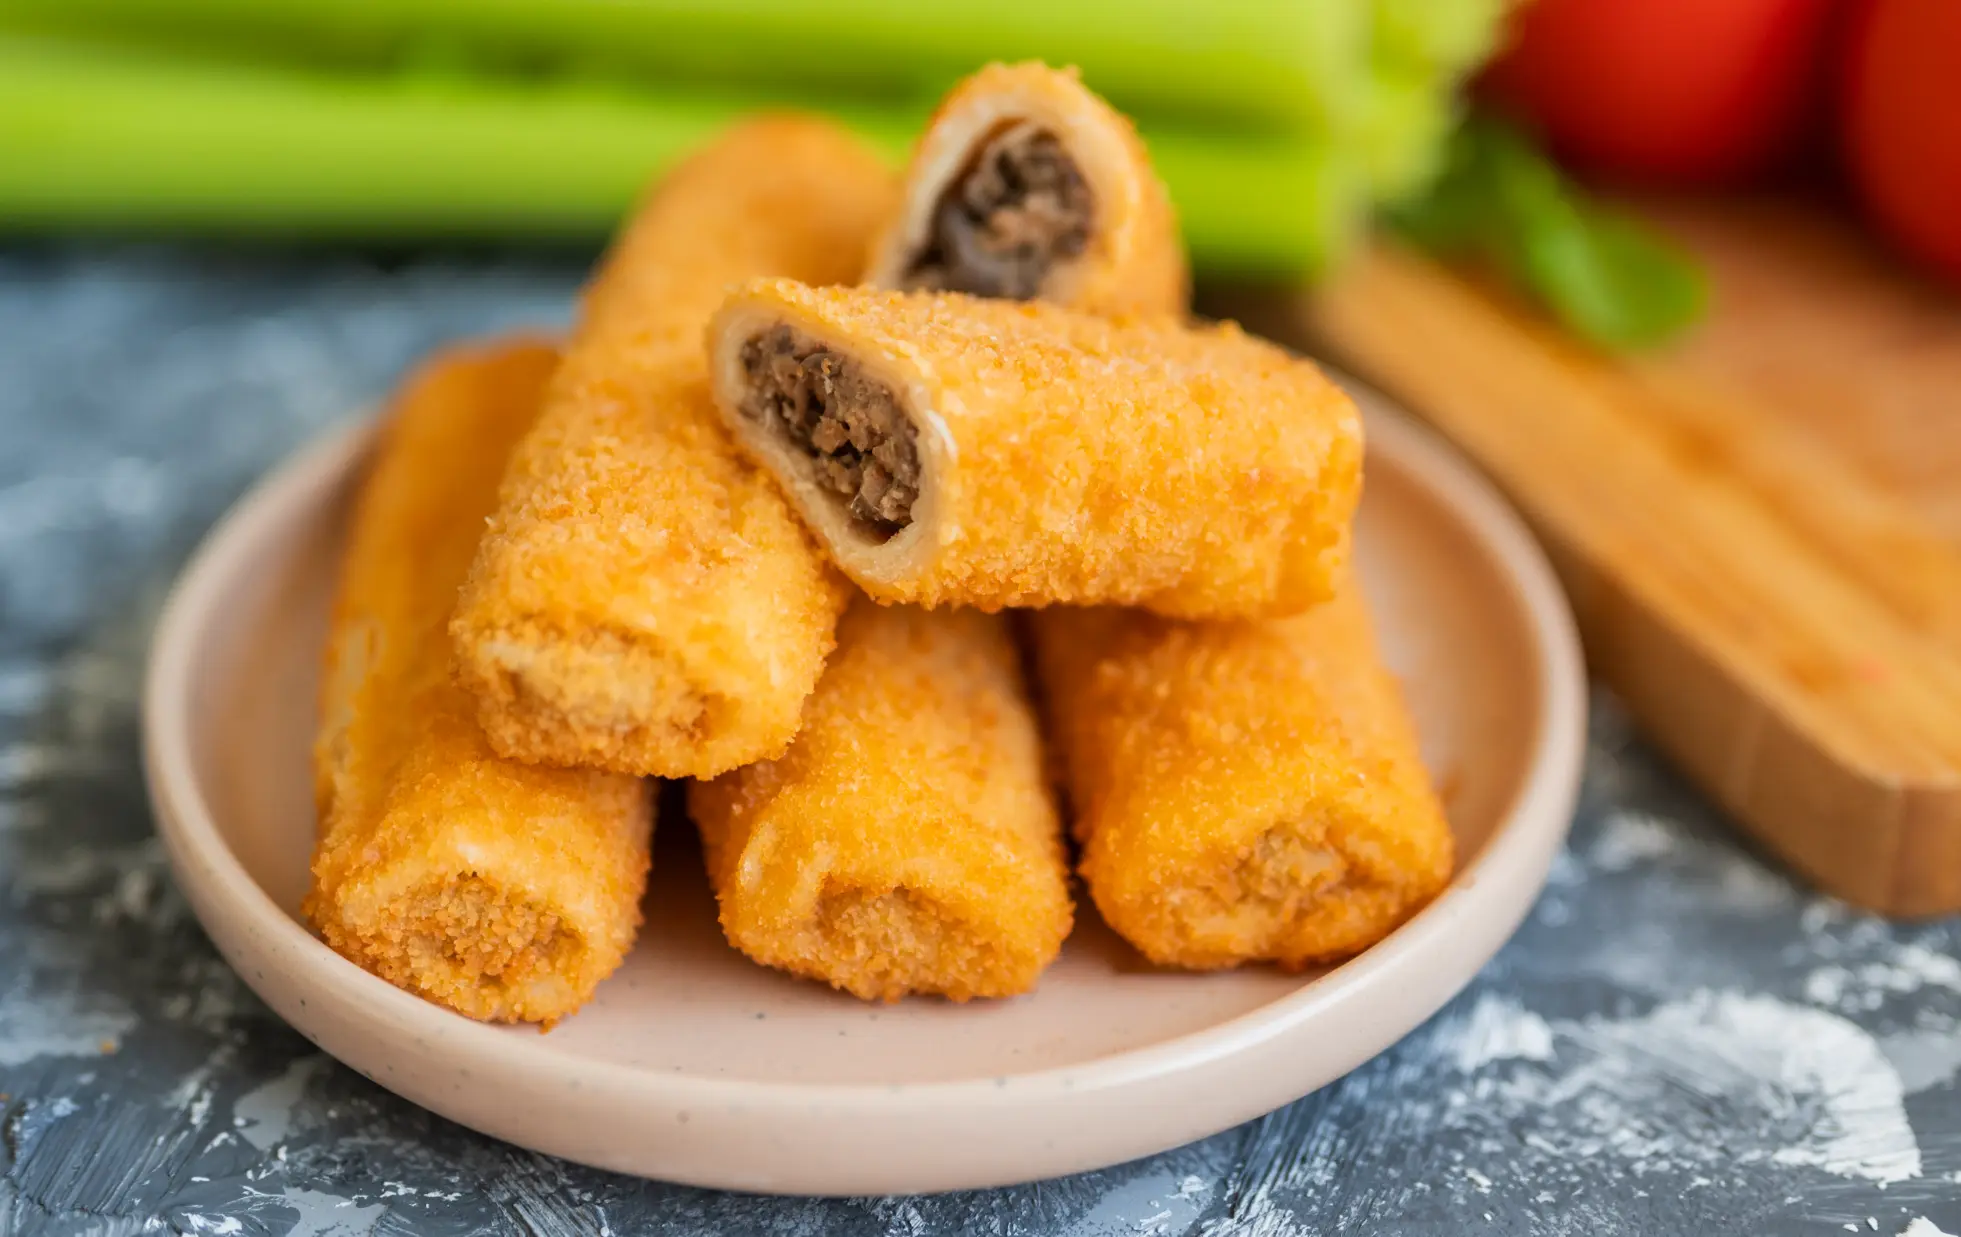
column 1067, row 458
column 644, row 600
column 1218, row 769
column 503, row 891
column 907, row 842
column 1134, row 262
column 1243, row 791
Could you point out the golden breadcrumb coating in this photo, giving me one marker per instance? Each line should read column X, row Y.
column 645, row 601
column 1131, row 260
column 907, row 841
column 1068, row 458
column 502, row 890
column 1242, row 791
column 1196, row 752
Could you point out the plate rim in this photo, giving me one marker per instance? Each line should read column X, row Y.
column 217, row 883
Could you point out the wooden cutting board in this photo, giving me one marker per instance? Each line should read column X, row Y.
column 1760, row 527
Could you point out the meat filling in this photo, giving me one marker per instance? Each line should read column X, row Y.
column 1019, row 208
column 860, row 444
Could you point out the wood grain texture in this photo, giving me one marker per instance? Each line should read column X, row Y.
column 1760, row 529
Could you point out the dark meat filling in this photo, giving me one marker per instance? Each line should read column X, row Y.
column 1019, row 208
column 860, row 443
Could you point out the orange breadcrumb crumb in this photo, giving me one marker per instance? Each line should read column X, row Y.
column 645, row 601
column 1070, row 458
column 1242, row 791
column 502, row 890
column 907, row 841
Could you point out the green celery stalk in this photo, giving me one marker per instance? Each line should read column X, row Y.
column 97, row 137
column 1440, row 38
column 1418, row 52
column 1405, row 131
column 1285, row 64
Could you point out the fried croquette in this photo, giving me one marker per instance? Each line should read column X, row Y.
column 1025, row 185
column 645, row 600
column 502, row 890
column 908, row 841
column 1242, row 791
column 951, row 450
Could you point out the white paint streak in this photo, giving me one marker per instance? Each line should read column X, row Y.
column 1714, row 1078
column 328, row 1215
column 1723, row 876
column 1915, row 967
column 1160, row 1204
column 52, row 502
column 34, row 1025
column 134, row 890
column 23, row 686
column 63, row 873
column 128, row 882
column 1630, row 838
column 901, row 1215
column 1822, row 913
column 1827, row 985
column 266, row 1112
column 1924, row 1059
column 1743, row 884
column 221, row 996
column 1905, row 968
column 21, row 763
column 1500, row 1030
column 1567, row 872
column 194, row 1092
column 1806, row 1059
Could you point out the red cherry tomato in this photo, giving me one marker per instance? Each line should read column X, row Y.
column 1901, row 122
column 1673, row 91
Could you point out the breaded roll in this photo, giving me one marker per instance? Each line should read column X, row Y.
column 1130, row 696
column 908, row 841
column 502, row 890
column 645, row 601
column 1026, row 185
column 957, row 451
column 1243, row 791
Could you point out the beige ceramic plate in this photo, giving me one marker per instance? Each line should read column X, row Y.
column 697, row 1066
